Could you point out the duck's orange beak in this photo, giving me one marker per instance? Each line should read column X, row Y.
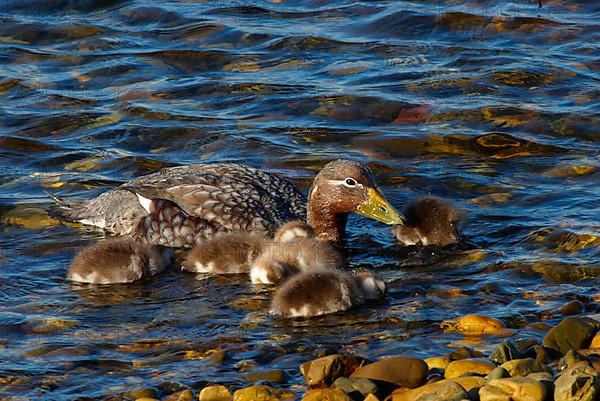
column 378, row 208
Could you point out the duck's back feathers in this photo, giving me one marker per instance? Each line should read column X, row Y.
column 167, row 224
column 233, row 196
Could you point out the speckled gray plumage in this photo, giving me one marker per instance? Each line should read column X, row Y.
column 236, row 197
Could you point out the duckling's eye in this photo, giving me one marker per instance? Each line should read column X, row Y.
column 350, row 182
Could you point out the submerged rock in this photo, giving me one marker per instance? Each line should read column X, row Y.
column 401, row 371
column 476, row 325
column 513, row 389
column 572, row 333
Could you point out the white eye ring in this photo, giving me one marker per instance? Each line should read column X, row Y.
column 350, row 182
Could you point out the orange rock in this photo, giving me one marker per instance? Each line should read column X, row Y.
column 401, row 371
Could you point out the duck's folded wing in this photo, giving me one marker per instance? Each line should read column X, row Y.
column 226, row 202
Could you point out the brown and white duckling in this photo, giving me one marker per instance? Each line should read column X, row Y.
column 294, row 230
column 294, row 249
column 234, row 253
column 238, row 198
column 429, row 221
column 231, row 253
column 322, row 292
column 118, row 261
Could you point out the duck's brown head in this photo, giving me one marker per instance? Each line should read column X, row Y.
column 343, row 187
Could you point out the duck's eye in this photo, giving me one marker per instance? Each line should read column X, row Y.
column 350, row 182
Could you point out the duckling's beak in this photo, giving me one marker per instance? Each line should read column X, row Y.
column 376, row 207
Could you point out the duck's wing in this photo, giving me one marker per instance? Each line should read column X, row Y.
column 237, row 198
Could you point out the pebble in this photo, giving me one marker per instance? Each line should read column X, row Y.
column 477, row 325
column 273, row 376
column 214, row 393
column 324, row 371
column 185, row 395
column 498, row 373
column 572, row 308
column 523, row 367
column 479, row 366
column 401, row 371
column 572, row 333
column 468, row 383
column 355, row 384
column 144, row 392
column 595, row 341
column 450, row 391
column 438, row 362
column 326, row 394
column 263, row 393
column 513, row 389
column 577, row 383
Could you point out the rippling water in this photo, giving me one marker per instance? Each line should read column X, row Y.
column 493, row 105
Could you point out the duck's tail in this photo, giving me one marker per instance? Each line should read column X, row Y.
column 68, row 210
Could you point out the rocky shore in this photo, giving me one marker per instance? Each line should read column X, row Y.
column 565, row 366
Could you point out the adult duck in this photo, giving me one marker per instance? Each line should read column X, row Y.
column 233, row 197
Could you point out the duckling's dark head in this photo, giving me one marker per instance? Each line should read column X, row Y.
column 342, row 187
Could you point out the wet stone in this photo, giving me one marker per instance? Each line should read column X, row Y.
column 214, row 393
column 578, row 383
column 273, row 376
column 513, row 389
column 326, row 394
column 185, row 395
column 570, row 359
column 472, row 383
column 263, row 393
column 323, row 371
column 595, row 343
column 476, row 325
column 523, row 367
column 450, row 391
column 478, row 366
column 572, row 333
column 572, row 308
column 144, row 392
column 497, row 373
column 355, row 384
column 401, row 371
column 439, row 362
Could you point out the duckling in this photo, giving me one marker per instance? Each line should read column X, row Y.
column 429, row 221
column 294, row 230
column 322, row 292
column 231, row 253
column 118, row 261
column 294, row 249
